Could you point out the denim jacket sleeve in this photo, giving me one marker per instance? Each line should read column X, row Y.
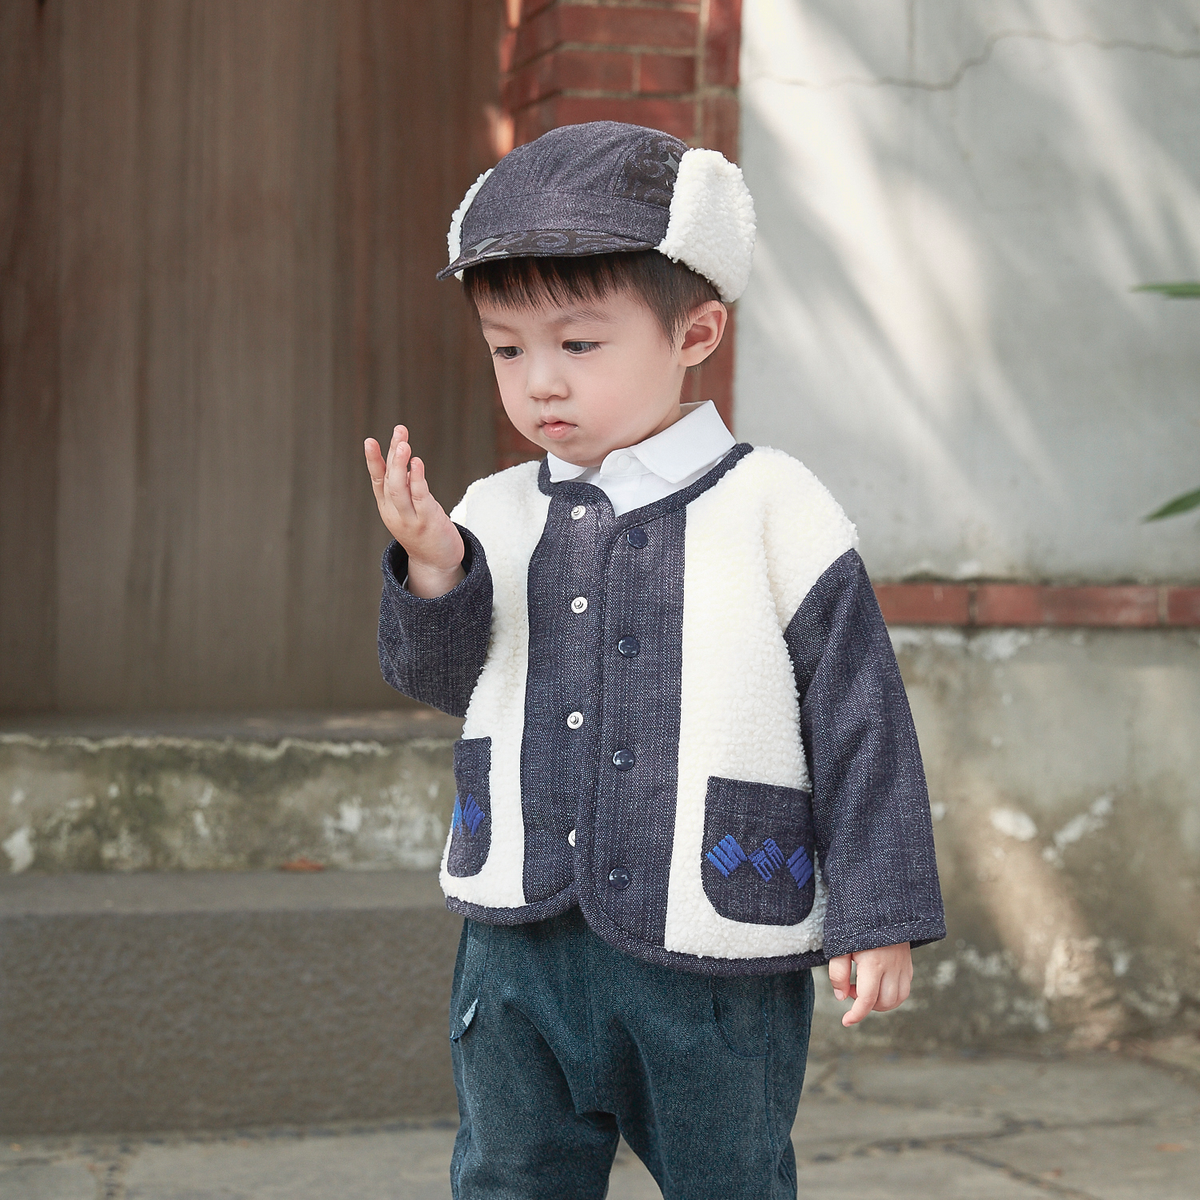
column 433, row 650
column 870, row 804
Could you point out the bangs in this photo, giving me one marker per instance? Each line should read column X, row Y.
column 669, row 290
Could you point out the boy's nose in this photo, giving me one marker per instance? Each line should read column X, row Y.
column 544, row 382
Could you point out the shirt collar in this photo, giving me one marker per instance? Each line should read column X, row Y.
column 693, row 442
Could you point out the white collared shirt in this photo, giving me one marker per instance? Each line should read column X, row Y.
column 667, row 462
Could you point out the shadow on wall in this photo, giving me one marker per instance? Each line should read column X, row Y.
column 954, row 202
column 1068, row 831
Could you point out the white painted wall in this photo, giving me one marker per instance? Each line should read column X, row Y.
column 955, row 198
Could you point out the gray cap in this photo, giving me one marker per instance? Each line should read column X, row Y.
column 606, row 187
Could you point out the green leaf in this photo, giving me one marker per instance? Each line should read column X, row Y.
column 1176, row 291
column 1173, row 508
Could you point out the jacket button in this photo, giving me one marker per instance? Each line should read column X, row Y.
column 637, row 538
column 629, row 646
column 571, row 838
column 623, row 760
column 574, row 720
column 578, row 511
column 579, row 604
column 619, row 878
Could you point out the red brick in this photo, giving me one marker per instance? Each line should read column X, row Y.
column 666, row 73
column 722, row 43
column 536, row 37
column 662, row 28
column 529, row 8
column 577, row 70
column 508, row 50
column 529, row 83
column 1183, row 606
column 594, row 70
column 530, row 123
column 1101, row 607
column 924, row 603
column 676, row 117
column 719, row 120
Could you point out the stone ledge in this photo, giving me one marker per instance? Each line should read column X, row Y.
column 195, row 792
column 210, row 1000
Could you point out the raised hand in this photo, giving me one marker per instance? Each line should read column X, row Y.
column 414, row 518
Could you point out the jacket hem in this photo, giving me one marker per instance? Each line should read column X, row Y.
column 695, row 964
column 526, row 914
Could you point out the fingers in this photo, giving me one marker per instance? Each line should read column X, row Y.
column 392, row 477
column 839, row 976
column 376, row 467
column 895, row 986
column 867, row 978
column 396, row 486
column 418, row 486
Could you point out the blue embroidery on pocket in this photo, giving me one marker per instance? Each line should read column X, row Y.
column 467, row 814
column 727, row 856
column 767, row 860
column 800, row 867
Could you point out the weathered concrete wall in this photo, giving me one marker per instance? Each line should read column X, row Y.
column 162, row 801
column 1064, row 770
column 954, row 200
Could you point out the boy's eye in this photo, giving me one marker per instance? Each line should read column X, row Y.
column 579, row 347
column 507, row 351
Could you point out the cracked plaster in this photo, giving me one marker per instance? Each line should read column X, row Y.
column 955, row 201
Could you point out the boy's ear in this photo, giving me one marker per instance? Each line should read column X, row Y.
column 703, row 332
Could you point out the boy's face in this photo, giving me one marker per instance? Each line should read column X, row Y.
column 589, row 377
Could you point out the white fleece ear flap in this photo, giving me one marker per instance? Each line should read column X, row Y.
column 711, row 226
column 454, row 235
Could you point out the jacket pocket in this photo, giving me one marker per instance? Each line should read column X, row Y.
column 471, row 823
column 757, row 861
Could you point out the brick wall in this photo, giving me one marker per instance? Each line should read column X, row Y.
column 669, row 64
column 981, row 605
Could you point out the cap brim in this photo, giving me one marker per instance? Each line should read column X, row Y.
column 544, row 243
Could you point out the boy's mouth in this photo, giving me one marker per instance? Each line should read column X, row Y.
column 556, row 429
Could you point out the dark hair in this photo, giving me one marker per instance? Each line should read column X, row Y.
column 668, row 289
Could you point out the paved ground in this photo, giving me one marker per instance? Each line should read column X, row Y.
column 1101, row 1127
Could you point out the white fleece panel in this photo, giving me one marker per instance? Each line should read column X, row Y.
column 507, row 513
column 454, row 234
column 711, row 225
column 756, row 544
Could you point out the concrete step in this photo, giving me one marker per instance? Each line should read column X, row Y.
column 201, row 1000
column 193, row 792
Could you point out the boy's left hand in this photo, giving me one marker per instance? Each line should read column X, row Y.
column 882, row 979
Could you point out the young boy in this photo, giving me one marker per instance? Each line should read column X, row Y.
column 688, row 772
